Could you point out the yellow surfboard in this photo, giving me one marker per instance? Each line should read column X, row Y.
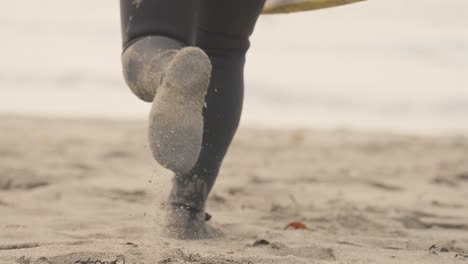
column 290, row 6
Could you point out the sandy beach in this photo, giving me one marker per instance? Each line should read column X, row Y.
column 86, row 190
column 353, row 130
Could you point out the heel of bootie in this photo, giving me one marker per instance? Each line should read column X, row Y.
column 176, row 118
column 144, row 63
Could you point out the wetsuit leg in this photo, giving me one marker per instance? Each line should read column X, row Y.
column 223, row 33
column 168, row 18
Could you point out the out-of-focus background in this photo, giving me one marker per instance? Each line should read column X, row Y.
column 395, row 65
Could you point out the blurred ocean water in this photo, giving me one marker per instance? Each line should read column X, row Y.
column 398, row 65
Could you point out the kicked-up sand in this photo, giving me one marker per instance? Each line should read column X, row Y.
column 88, row 191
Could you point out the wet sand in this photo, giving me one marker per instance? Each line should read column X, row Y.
column 87, row 190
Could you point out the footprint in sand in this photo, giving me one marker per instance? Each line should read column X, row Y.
column 8, row 153
column 130, row 196
column 77, row 258
column 20, row 179
column 307, row 252
column 385, row 186
column 117, row 154
column 416, row 220
column 176, row 256
column 453, row 180
column 278, row 249
column 18, row 246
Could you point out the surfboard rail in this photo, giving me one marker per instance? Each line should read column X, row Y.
column 291, row 6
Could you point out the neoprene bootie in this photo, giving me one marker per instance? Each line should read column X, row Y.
column 175, row 79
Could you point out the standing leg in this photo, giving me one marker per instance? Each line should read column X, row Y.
column 223, row 33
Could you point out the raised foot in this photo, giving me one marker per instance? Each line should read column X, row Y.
column 176, row 120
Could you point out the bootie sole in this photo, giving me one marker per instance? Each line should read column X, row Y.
column 176, row 117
